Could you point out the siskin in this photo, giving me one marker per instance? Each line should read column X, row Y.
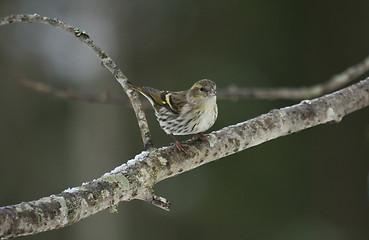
column 186, row 112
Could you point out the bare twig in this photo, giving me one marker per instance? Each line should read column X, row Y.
column 299, row 93
column 104, row 98
column 232, row 92
column 105, row 60
column 136, row 178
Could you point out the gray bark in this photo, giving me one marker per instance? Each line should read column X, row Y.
column 135, row 179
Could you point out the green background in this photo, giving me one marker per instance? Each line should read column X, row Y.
column 309, row 185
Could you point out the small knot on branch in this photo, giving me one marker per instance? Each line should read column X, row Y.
column 155, row 200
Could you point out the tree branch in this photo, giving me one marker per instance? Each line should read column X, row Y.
column 232, row 92
column 136, row 178
column 298, row 93
column 104, row 98
column 105, row 60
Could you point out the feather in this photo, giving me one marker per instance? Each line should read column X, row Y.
column 173, row 101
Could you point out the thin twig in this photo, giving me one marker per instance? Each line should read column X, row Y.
column 300, row 93
column 105, row 59
column 135, row 179
column 104, row 98
column 232, row 92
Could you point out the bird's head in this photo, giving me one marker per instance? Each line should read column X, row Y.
column 203, row 90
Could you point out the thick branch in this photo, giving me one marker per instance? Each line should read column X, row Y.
column 135, row 179
column 105, row 60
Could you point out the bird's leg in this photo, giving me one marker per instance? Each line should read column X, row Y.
column 180, row 146
column 202, row 137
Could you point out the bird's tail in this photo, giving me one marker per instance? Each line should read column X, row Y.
column 150, row 93
column 138, row 89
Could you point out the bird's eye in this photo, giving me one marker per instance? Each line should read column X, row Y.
column 202, row 89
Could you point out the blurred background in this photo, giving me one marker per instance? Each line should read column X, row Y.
column 309, row 185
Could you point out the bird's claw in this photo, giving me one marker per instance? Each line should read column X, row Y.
column 203, row 138
column 181, row 146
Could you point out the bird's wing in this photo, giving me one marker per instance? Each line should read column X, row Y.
column 173, row 101
column 176, row 100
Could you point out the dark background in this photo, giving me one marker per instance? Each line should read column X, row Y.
column 309, row 185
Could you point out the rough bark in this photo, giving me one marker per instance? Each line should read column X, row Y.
column 135, row 179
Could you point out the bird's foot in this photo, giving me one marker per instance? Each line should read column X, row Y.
column 203, row 138
column 180, row 146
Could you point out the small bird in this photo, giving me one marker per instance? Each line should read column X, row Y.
column 186, row 112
